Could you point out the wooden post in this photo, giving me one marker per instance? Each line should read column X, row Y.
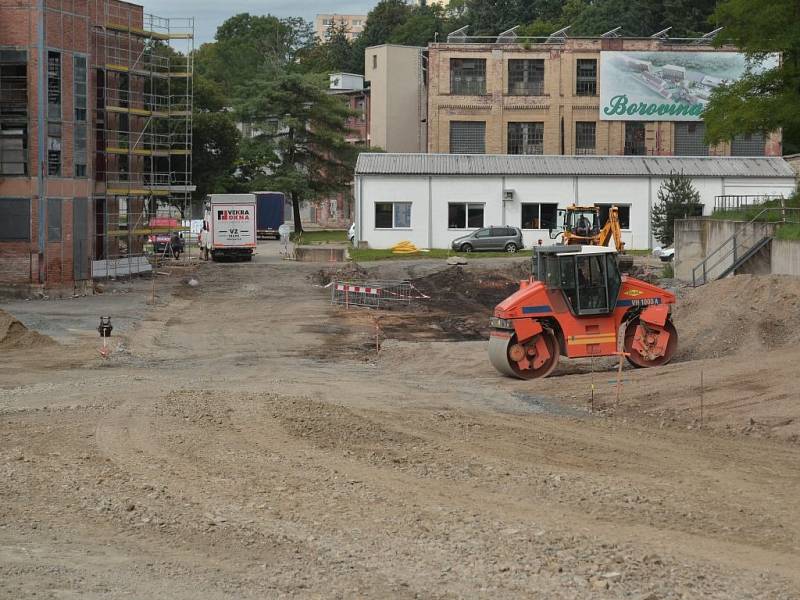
column 619, row 376
column 702, row 393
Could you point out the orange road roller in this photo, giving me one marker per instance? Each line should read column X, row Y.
column 576, row 304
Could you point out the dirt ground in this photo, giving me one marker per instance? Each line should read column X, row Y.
column 246, row 440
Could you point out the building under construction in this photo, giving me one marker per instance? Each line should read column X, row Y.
column 83, row 79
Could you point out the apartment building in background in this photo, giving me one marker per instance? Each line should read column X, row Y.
column 550, row 96
column 95, row 137
column 396, row 76
column 353, row 23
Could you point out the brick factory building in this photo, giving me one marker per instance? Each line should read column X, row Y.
column 506, row 94
column 95, row 137
column 560, row 95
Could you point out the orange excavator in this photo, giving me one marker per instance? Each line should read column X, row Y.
column 581, row 225
column 576, row 304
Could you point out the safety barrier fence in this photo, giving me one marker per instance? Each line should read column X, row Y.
column 374, row 294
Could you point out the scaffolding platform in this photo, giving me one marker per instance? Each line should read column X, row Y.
column 145, row 66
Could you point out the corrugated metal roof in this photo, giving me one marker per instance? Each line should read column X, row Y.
column 503, row 164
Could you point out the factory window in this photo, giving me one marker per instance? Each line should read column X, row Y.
column 123, row 93
column 689, row 139
column 468, row 76
column 526, row 77
column 634, row 139
column 54, row 149
column 54, row 85
column 80, row 150
column 467, row 137
column 123, row 164
column 15, row 219
column 462, row 215
column 124, row 129
column 586, row 77
column 748, row 144
column 79, row 77
column 54, row 219
column 392, row 215
column 13, row 112
column 100, row 92
column 624, row 213
column 526, row 138
column 123, row 210
column 539, row 216
column 13, row 149
column 585, row 142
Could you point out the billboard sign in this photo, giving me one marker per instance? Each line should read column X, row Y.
column 666, row 86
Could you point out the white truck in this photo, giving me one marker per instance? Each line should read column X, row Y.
column 229, row 227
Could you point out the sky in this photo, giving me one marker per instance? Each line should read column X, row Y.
column 209, row 14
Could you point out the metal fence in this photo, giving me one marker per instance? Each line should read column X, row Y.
column 740, row 201
column 374, row 294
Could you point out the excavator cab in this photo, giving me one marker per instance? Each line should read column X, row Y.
column 583, row 222
column 578, row 224
column 588, row 276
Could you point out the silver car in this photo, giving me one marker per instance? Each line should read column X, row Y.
column 506, row 239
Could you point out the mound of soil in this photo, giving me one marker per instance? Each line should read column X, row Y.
column 350, row 272
column 458, row 306
column 738, row 315
column 461, row 291
column 14, row 334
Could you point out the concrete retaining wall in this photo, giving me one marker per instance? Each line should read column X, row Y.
column 785, row 257
column 320, row 254
column 697, row 238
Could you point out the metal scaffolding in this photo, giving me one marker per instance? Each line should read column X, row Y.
column 143, row 132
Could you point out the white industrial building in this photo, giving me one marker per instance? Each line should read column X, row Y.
column 432, row 199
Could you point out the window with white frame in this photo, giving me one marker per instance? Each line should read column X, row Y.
column 537, row 215
column 392, row 215
column 464, row 215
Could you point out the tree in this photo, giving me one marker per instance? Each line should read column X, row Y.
column 332, row 55
column 381, row 23
column 490, row 17
column 423, row 26
column 676, row 199
column 308, row 128
column 215, row 150
column 249, row 46
column 762, row 100
column 635, row 18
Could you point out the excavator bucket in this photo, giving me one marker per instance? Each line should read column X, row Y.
column 625, row 262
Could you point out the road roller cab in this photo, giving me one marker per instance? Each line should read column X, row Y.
column 576, row 304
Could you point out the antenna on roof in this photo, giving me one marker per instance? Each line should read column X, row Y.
column 661, row 35
column 459, row 35
column 508, row 36
column 559, row 36
column 613, row 33
column 708, row 37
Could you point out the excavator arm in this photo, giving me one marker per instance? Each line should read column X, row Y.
column 612, row 229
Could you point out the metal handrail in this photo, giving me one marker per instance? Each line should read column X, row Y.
column 733, row 238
